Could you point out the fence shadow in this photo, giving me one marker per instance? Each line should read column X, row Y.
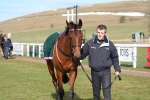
column 146, row 67
column 66, row 97
column 127, row 65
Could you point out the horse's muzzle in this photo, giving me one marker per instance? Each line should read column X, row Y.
column 77, row 54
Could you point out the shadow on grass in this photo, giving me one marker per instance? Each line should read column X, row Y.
column 67, row 98
column 146, row 67
column 127, row 65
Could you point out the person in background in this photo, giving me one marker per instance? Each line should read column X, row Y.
column 10, row 45
column 102, row 55
column 7, row 45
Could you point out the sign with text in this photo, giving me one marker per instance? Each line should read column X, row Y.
column 126, row 54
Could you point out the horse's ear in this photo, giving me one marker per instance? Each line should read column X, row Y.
column 67, row 22
column 80, row 23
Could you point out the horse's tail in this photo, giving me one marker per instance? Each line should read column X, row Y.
column 65, row 78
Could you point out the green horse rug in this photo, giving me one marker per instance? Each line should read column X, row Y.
column 49, row 44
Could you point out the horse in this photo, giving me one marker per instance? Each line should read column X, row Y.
column 1, row 44
column 63, row 66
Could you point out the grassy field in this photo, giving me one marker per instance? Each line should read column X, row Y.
column 25, row 80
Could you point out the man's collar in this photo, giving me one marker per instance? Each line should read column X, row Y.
column 104, row 42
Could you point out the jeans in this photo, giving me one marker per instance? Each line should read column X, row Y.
column 102, row 80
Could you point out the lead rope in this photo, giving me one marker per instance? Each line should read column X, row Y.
column 85, row 72
column 89, row 78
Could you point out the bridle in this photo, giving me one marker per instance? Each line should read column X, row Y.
column 75, row 30
column 71, row 45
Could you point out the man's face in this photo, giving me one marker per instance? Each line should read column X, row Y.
column 101, row 34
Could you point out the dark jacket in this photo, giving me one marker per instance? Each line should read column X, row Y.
column 102, row 54
column 8, row 43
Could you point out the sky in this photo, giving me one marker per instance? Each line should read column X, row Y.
column 15, row 8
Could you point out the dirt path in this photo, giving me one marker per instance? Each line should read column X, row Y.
column 29, row 59
column 136, row 73
column 124, row 71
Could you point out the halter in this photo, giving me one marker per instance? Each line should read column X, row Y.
column 72, row 46
column 73, row 30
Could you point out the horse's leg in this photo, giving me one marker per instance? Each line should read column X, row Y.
column 52, row 72
column 72, row 78
column 60, row 90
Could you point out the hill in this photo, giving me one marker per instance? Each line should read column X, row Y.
column 40, row 25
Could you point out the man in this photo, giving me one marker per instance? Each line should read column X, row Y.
column 6, row 47
column 102, row 55
column 10, row 45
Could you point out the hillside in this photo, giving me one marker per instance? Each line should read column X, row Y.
column 41, row 24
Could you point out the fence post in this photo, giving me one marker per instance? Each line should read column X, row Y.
column 33, row 50
column 118, row 49
column 134, row 56
column 22, row 47
column 68, row 15
column 28, row 54
column 72, row 14
column 39, row 50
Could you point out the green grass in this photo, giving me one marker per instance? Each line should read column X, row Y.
column 21, row 80
column 34, row 36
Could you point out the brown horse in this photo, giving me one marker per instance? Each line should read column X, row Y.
column 65, row 59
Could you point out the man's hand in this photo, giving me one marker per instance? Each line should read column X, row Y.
column 117, row 75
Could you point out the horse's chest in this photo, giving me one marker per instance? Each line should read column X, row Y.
column 69, row 66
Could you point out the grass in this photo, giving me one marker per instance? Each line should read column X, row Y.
column 22, row 80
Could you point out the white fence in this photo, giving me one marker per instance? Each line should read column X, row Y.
column 28, row 49
column 126, row 52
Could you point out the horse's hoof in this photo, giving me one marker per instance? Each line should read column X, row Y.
column 60, row 94
column 71, row 95
column 59, row 98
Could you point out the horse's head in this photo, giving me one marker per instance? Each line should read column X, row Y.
column 76, row 35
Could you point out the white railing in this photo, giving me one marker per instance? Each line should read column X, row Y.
column 126, row 52
column 28, row 49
